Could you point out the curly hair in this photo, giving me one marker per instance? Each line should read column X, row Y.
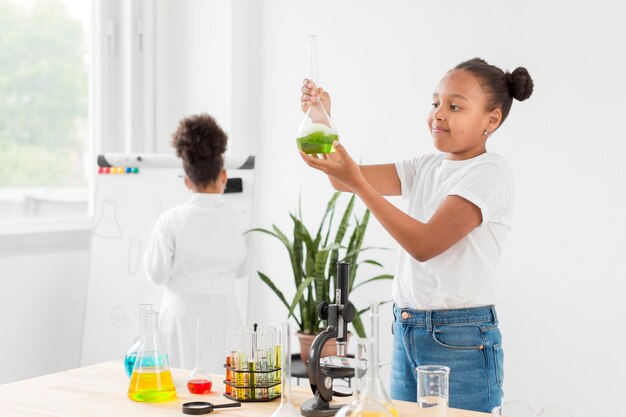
column 201, row 143
column 502, row 87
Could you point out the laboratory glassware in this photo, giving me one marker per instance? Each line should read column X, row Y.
column 251, row 364
column 286, row 408
column 199, row 381
column 364, row 404
column 374, row 384
column 131, row 354
column 151, row 380
column 432, row 390
column 317, row 132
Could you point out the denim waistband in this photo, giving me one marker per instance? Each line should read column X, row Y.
column 428, row 318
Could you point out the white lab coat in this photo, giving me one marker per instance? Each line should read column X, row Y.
column 196, row 251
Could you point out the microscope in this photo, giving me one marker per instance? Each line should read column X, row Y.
column 338, row 316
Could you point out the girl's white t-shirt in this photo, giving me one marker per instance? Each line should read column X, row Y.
column 464, row 275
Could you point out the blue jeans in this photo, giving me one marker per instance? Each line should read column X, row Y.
column 467, row 340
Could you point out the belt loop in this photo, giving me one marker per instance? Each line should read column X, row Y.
column 429, row 322
column 393, row 310
column 495, row 316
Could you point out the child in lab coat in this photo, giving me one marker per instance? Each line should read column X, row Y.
column 451, row 238
column 197, row 250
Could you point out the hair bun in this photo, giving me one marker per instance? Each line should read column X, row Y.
column 520, row 83
column 199, row 138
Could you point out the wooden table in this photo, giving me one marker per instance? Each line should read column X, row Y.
column 100, row 390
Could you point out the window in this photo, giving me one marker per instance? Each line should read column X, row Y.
column 45, row 147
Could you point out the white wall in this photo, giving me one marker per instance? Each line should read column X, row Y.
column 44, row 284
column 193, row 64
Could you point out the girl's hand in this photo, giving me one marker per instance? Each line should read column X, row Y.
column 340, row 166
column 313, row 94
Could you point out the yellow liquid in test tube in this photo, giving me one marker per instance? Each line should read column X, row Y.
column 278, row 361
column 151, row 385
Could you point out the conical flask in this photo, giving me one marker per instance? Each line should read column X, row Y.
column 131, row 354
column 151, row 380
column 317, row 132
column 363, row 404
column 199, row 381
column 374, row 384
column 286, row 408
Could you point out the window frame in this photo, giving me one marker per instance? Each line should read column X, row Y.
column 121, row 104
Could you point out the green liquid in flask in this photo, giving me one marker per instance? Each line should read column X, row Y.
column 317, row 142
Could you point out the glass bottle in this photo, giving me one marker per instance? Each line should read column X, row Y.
column 286, row 408
column 374, row 384
column 317, row 132
column 364, row 404
column 151, row 380
column 199, row 381
column 131, row 354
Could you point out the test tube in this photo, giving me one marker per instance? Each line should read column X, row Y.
column 252, row 379
column 261, row 365
column 278, row 360
column 229, row 375
column 242, row 376
column 271, row 365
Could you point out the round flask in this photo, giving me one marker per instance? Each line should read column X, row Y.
column 317, row 132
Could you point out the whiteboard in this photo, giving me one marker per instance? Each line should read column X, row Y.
column 127, row 206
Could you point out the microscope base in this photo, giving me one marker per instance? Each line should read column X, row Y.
column 314, row 408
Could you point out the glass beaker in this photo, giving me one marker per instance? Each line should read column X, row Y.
column 131, row 354
column 317, row 132
column 364, row 404
column 432, row 390
column 151, row 380
column 199, row 381
column 286, row 408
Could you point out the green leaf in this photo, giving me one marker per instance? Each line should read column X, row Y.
column 341, row 231
column 302, row 232
column 279, row 294
column 296, row 298
column 330, row 225
column 321, row 287
column 371, row 262
column 330, row 207
column 258, row 229
column 376, row 278
column 278, row 234
column 298, row 257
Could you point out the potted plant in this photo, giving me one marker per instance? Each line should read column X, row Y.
column 313, row 261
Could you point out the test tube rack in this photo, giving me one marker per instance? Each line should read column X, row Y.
column 252, row 385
